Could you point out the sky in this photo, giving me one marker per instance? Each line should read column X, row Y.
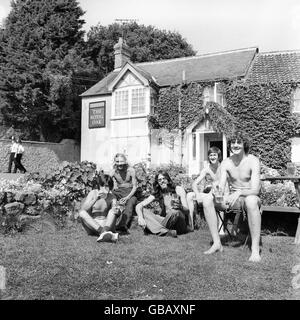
column 208, row 25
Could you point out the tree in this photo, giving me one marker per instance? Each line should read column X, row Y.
column 40, row 64
column 147, row 43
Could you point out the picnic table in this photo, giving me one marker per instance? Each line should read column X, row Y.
column 296, row 180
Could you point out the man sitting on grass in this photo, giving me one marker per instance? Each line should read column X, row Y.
column 242, row 172
column 99, row 211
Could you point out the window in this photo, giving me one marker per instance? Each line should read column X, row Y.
column 138, row 101
column 297, row 100
column 121, row 103
column 207, row 94
column 130, row 102
column 194, row 146
column 219, row 97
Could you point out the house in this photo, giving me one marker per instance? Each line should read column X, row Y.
column 115, row 110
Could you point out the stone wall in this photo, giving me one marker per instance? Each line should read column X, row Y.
column 41, row 156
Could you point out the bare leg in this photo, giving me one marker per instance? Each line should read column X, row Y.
column 254, row 220
column 110, row 222
column 212, row 221
column 190, row 197
column 89, row 221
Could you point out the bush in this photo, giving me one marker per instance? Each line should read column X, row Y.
column 76, row 179
column 279, row 194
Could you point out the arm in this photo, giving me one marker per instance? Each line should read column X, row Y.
column 223, row 175
column 182, row 194
column 139, row 210
column 197, row 181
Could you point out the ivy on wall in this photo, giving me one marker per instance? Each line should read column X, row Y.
column 263, row 112
column 193, row 109
column 265, row 115
column 166, row 111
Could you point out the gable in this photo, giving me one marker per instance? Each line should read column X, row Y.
column 128, row 79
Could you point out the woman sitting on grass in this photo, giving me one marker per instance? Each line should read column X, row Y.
column 174, row 215
column 99, row 211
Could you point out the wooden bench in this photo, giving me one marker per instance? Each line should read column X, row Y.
column 285, row 210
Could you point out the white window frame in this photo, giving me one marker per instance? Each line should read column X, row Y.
column 296, row 97
column 129, row 114
column 120, row 92
column 216, row 93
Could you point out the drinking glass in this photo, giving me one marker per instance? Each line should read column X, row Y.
column 291, row 169
column 219, row 195
column 175, row 201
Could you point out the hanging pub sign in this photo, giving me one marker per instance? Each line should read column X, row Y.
column 97, row 115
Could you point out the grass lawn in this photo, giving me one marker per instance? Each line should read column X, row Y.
column 44, row 263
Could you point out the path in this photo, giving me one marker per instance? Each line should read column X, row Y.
column 10, row 176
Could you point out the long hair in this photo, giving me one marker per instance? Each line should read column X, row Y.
column 215, row 150
column 158, row 192
column 120, row 155
column 239, row 136
column 103, row 180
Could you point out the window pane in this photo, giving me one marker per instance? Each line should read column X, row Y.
column 297, row 94
column 220, row 99
column 194, row 146
column 296, row 105
column 121, row 103
column 297, row 100
column 138, row 101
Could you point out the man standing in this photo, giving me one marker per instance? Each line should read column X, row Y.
column 242, row 172
column 125, row 185
column 12, row 155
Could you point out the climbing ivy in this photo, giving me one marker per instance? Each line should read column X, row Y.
column 264, row 113
column 193, row 109
column 167, row 108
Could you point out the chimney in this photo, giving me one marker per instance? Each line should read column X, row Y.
column 122, row 53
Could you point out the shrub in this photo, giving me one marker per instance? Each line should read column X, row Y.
column 76, row 179
column 279, row 194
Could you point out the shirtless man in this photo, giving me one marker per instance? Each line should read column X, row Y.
column 242, row 172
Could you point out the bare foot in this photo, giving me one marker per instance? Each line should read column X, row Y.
column 255, row 257
column 214, row 248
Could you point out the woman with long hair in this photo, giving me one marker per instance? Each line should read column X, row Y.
column 173, row 217
column 99, row 210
